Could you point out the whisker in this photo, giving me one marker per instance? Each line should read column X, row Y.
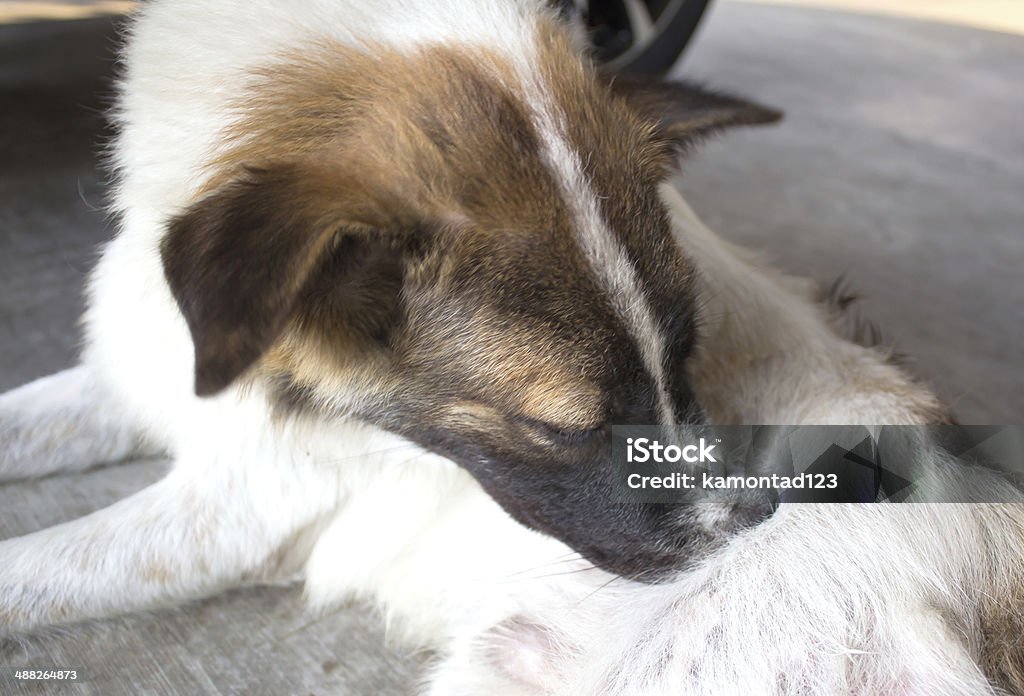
column 510, row 579
column 601, row 587
column 371, row 453
column 567, row 558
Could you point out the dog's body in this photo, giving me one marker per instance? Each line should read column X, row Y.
column 298, row 460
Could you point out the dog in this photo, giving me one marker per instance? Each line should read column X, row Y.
column 385, row 275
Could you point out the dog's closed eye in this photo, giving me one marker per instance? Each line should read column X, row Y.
column 565, row 433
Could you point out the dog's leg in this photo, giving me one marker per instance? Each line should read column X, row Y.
column 200, row 530
column 63, row 422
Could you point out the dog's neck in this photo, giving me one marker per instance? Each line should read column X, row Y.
column 770, row 341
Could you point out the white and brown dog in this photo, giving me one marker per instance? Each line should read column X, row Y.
column 386, row 274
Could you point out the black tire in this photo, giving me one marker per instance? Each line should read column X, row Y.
column 669, row 25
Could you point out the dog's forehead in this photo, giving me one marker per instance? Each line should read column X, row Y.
column 545, row 168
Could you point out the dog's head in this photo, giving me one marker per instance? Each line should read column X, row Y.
column 469, row 253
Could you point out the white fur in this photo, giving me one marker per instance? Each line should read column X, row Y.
column 361, row 512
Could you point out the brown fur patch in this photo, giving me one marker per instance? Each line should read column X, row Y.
column 433, row 132
column 1002, row 608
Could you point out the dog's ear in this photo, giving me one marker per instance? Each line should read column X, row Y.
column 238, row 259
column 685, row 113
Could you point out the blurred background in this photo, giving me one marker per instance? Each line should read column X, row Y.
column 900, row 166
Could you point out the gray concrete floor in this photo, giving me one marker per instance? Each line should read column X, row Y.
column 900, row 165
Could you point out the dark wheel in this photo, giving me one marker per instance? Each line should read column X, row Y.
column 639, row 36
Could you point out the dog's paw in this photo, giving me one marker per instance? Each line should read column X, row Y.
column 61, row 423
column 517, row 657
